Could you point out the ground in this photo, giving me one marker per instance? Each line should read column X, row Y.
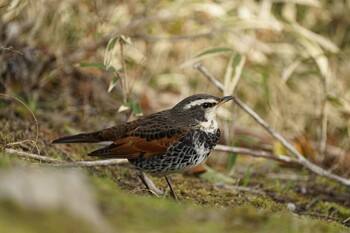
column 213, row 201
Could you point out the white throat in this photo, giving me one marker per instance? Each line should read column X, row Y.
column 211, row 125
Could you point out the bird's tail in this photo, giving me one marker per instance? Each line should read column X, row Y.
column 79, row 138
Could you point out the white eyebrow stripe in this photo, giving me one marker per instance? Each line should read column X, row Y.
column 199, row 102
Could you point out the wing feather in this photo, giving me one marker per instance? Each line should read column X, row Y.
column 147, row 145
column 145, row 137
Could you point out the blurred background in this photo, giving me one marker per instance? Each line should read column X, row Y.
column 85, row 65
column 92, row 61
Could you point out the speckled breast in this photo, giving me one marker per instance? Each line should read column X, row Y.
column 181, row 156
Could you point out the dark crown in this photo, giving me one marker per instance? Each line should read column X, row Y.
column 197, row 100
column 193, row 109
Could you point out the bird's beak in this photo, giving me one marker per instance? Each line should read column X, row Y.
column 225, row 99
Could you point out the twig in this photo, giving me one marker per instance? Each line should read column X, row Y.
column 256, row 153
column 61, row 163
column 345, row 221
column 31, row 156
column 208, row 75
column 274, row 134
column 104, row 162
column 300, row 158
column 12, row 50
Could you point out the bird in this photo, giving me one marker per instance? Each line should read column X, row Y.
column 165, row 142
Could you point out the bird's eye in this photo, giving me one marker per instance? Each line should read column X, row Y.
column 207, row 105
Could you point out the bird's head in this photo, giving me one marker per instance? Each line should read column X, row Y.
column 199, row 108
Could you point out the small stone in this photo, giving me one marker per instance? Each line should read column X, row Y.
column 291, row 206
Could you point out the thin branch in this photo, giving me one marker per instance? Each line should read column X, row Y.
column 300, row 158
column 104, row 162
column 263, row 123
column 345, row 221
column 10, row 49
column 208, row 75
column 31, row 156
column 256, row 153
column 61, row 163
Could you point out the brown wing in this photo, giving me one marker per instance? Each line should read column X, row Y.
column 135, row 146
column 153, row 135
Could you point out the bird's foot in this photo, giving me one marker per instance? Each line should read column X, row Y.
column 172, row 192
column 149, row 184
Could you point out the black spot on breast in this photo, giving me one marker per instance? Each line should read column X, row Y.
column 171, row 133
column 162, row 134
column 180, row 146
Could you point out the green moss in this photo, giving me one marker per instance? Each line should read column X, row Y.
column 266, row 204
column 131, row 213
column 331, row 185
column 328, row 208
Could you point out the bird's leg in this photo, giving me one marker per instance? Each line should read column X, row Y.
column 172, row 193
column 149, row 183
